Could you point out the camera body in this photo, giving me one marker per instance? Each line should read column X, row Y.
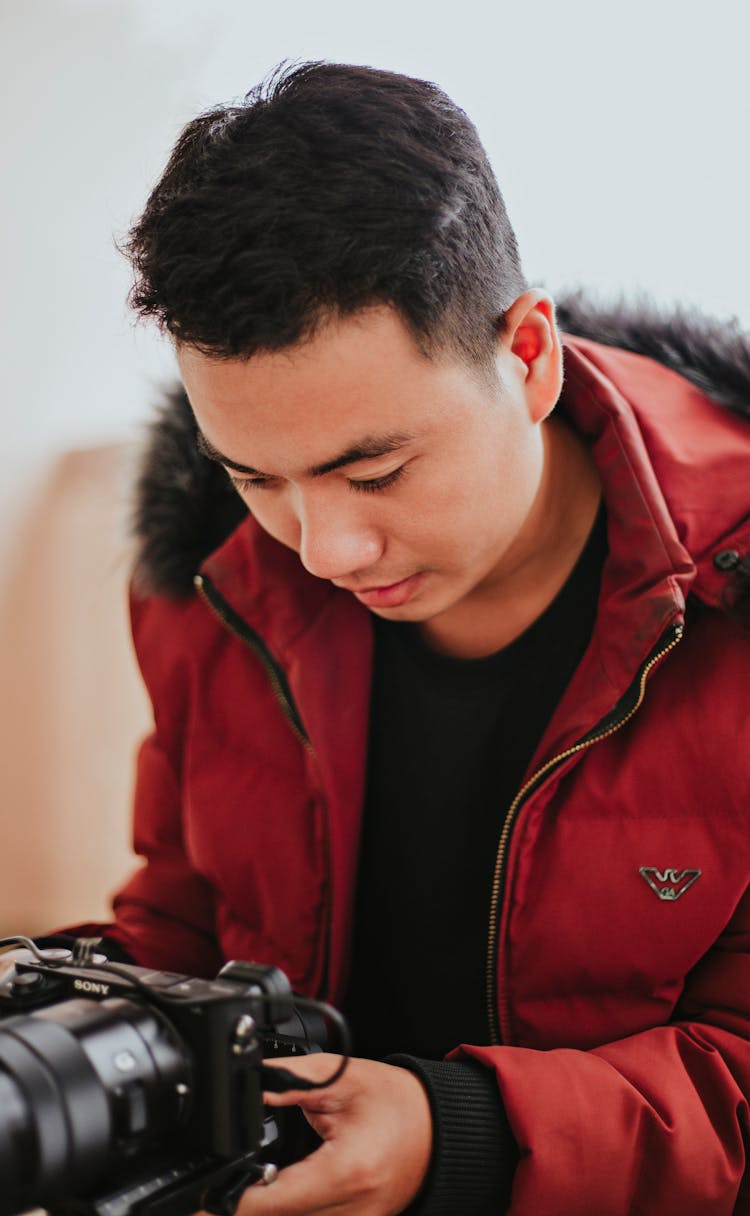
column 126, row 1090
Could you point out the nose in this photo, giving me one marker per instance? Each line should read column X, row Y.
column 337, row 540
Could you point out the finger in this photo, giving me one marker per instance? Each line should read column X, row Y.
column 318, row 1069
column 329, row 1100
column 316, row 1186
column 315, row 1067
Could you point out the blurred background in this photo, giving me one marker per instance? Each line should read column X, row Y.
column 619, row 136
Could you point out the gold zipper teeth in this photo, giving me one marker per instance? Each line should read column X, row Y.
column 495, row 1030
column 278, row 691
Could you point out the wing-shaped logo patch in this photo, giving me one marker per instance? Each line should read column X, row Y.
column 670, row 884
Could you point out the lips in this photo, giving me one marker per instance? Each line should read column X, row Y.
column 394, row 595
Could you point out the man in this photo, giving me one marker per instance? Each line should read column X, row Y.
column 448, row 675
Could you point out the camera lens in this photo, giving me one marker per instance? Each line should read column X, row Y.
column 15, row 1142
column 83, row 1084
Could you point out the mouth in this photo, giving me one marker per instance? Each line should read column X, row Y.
column 391, row 595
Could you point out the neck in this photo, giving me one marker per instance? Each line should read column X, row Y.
column 540, row 560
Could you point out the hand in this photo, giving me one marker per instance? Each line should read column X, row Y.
column 376, row 1127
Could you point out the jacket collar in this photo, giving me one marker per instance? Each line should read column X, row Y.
column 659, row 468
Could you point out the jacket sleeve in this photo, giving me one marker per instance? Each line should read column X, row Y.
column 165, row 912
column 652, row 1125
column 474, row 1155
column 164, row 915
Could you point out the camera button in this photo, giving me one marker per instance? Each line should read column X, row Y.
column 27, row 981
column 56, row 956
column 244, row 1038
column 125, row 1061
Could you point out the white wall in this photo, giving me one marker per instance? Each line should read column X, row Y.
column 619, row 135
column 618, row 132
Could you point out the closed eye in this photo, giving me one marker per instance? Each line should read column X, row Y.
column 373, row 484
column 369, row 485
column 248, row 483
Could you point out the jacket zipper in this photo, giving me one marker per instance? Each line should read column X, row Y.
column 497, row 1017
column 237, row 625
column 240, row 628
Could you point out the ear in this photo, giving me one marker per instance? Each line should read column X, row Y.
column 530, row 342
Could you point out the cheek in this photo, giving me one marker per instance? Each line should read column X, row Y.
column 464, row 517
column 439, row 526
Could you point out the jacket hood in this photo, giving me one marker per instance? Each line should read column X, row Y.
column 185, row 506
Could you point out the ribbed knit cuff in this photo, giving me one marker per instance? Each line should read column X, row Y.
column 474, row 1153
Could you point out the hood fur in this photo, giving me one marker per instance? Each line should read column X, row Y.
column 185, row 506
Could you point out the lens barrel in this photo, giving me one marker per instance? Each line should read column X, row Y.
column 83, row 1084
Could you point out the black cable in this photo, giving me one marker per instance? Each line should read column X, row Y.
column 19, row 940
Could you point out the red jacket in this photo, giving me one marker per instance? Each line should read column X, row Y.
column 619, row 941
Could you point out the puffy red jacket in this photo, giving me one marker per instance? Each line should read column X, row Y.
column 619, row 935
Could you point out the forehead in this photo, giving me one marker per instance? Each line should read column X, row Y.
column 356, row 376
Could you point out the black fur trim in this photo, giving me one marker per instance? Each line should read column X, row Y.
column 184, row 507
column 713, row 355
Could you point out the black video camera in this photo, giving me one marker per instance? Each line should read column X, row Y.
column 125, row 1091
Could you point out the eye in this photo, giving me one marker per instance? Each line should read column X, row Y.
column 374, row 484
column 247, row 483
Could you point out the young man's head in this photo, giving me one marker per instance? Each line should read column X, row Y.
column 334, row 262
column 330, row 189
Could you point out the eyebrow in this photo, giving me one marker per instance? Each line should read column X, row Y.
column 367, row 448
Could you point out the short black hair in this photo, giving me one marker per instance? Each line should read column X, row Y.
column 329, row 189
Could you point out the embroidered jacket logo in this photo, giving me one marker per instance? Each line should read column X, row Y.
column 669, row 884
